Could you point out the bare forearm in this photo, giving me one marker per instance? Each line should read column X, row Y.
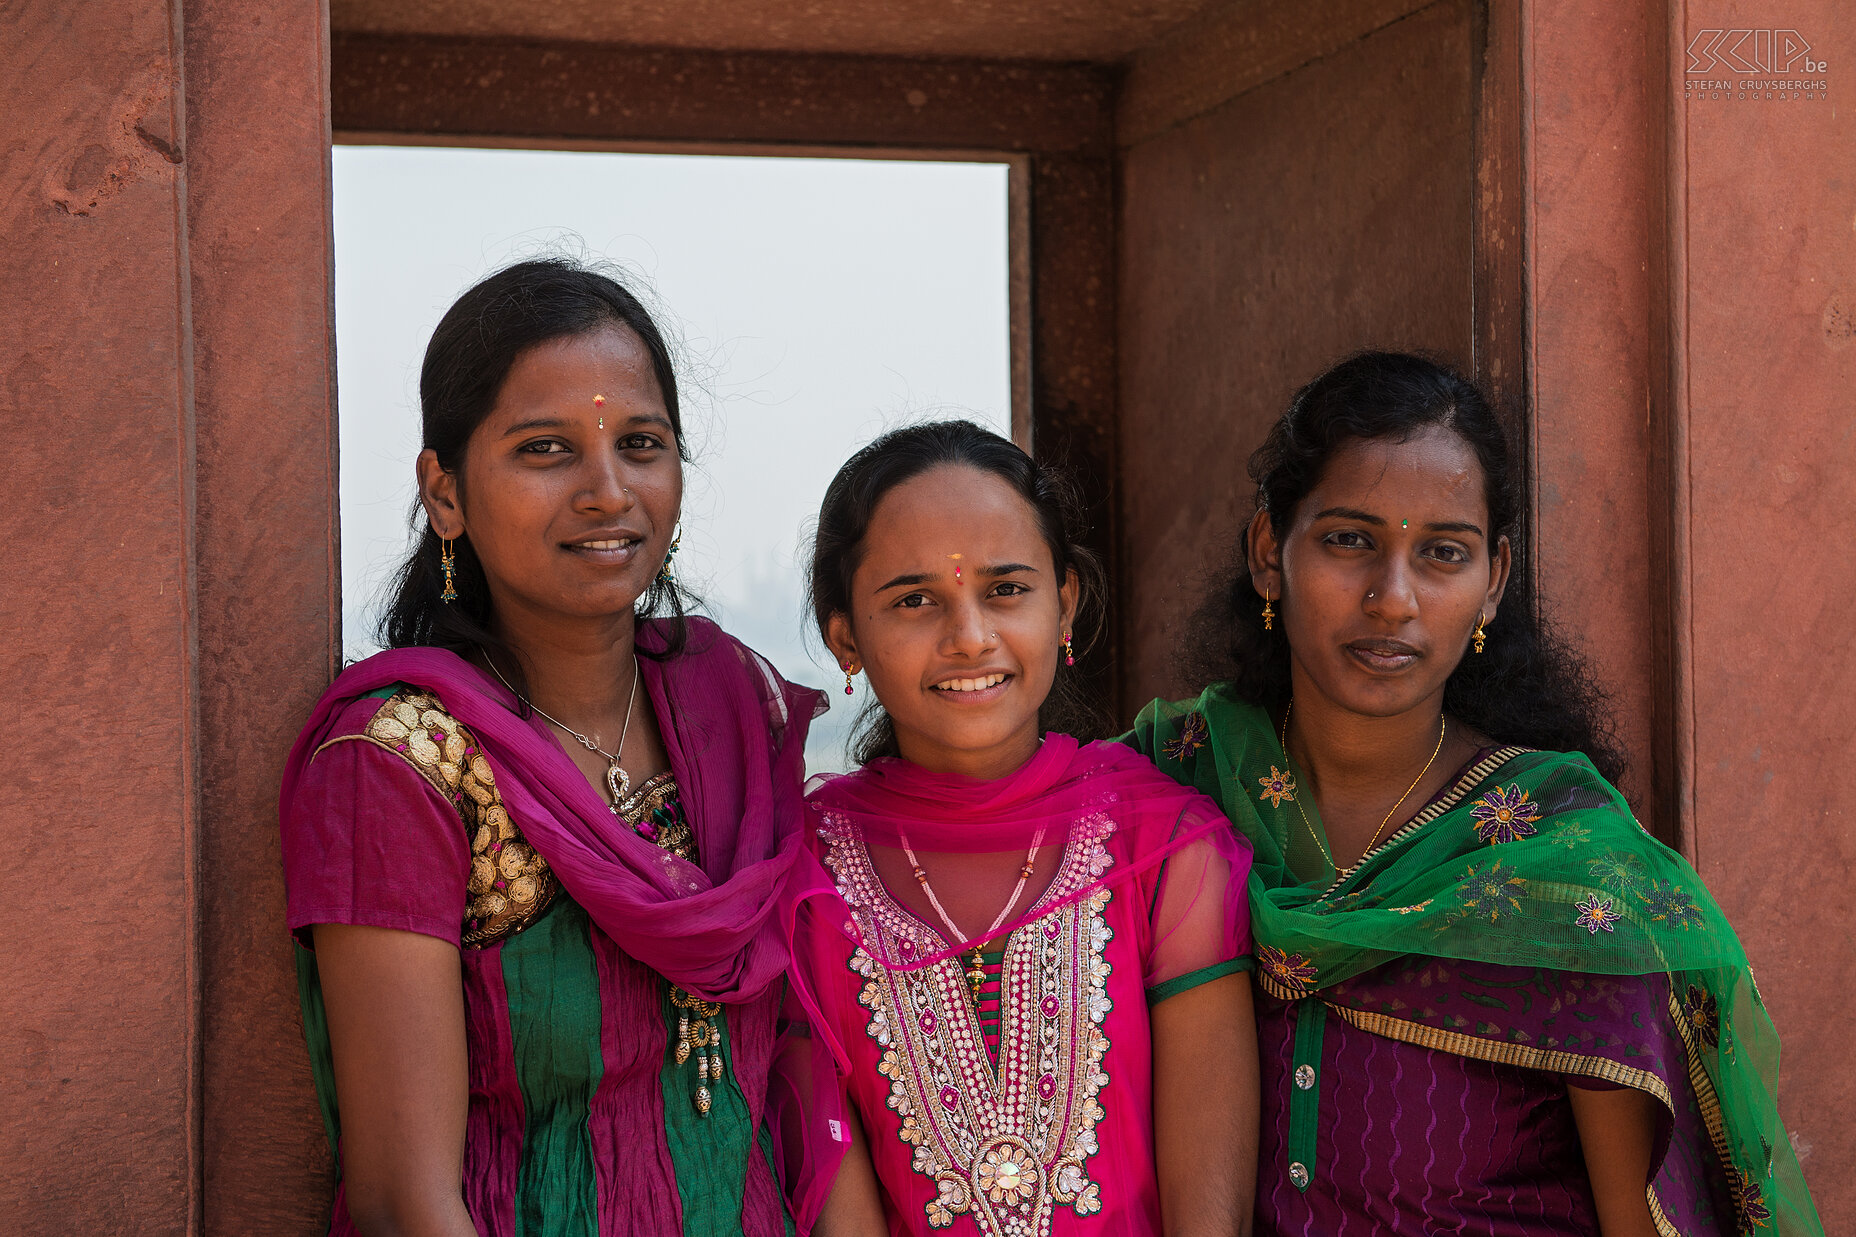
column 396, row 1036
column 403, row 1212
column 855, row 1206
column 1616, row 1131
column 1205, row 1109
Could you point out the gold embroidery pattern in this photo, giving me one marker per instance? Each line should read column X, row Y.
column 1006, row 1145
column 510, row 885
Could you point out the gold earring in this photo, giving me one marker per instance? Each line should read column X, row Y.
column 850, row 688
column 664, row 574
column 1269, row 615
column 1479, row 637
column 448, row 559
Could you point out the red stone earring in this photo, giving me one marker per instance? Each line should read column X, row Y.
column 1069, row 653
column 850, row 688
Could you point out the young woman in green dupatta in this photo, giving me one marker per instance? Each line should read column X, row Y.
column 1490, row 1002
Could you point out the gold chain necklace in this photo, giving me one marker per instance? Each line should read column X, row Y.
column 1282, row 739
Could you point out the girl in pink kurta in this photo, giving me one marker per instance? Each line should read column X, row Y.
column 1032, row 980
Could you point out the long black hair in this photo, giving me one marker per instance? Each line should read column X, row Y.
column 1529, row 687
column 903, row 454
column 471, row 353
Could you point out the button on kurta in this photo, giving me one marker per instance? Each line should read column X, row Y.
column 1305, row 1076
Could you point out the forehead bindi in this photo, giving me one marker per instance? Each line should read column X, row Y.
column 921, row 524
column 563, row 376
column 1433, row 477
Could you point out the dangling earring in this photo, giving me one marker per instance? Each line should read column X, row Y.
column 664, row 574
column 1269, row 615
column 1069, row 654
column 1479, row 637
column 448, row 559
column 850, row 689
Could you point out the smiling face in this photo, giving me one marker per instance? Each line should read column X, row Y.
column 961, row 663
column 568, row 519
column 1384, row 571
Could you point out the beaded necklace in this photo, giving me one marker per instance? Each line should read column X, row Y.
column 976, row 970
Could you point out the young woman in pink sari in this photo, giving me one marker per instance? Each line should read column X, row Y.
column 1033, row 979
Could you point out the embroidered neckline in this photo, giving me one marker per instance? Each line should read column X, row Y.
column 1004, row 1140
column 1083, row 860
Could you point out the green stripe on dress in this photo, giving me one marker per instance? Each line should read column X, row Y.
column 321, row 1057
column 552, row 979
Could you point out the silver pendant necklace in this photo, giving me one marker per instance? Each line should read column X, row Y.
column 618, row 781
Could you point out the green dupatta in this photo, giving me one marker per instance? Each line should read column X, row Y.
column 1531, row 859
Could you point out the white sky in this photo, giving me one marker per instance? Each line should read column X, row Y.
column 818, row 302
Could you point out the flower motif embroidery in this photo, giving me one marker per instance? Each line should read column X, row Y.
column 1572, row 835
column 1191, row 738
column 1007, row 1175
column 1702, row 1014
column 950, row 1198
column 1618, row 870
column 1491, row 892
column 1749, row 1201
column 1292, row 971
column 1278, row 786
column 1670, row 904
column 1595, row 913
column 1505, row 816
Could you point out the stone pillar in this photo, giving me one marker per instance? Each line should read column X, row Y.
column 1693, row 284
column 166, row 401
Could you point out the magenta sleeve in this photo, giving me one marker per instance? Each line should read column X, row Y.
column 1199, row 913
column 370, row 842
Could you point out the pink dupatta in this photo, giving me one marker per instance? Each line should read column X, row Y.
column 735, row 731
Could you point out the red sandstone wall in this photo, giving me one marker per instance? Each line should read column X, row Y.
column 98, row 1026
column 1694, row 270
column 1326, row 209
column 165, row 373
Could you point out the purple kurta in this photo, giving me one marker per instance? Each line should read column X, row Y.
column 1428, row 1124
column 1438, row 1143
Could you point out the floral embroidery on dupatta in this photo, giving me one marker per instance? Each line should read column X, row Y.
column 1278, row 787
column 1006, row 1146
column 1293, row 971
column 1506, row 816
column 1191, row 738
column 1595, row 913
